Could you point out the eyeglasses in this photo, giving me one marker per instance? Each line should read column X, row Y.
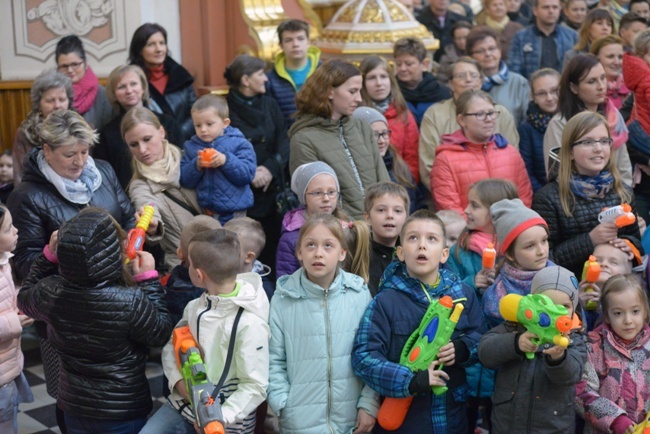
column 484, row 51
column 333, row 194
column 481, row 116
column 552, row 92
column 383, row 135
column 465, row 75
column 591, row 143
column 67, row 66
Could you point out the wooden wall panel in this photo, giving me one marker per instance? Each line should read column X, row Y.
column 14, row 106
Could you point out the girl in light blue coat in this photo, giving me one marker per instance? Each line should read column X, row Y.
column 315, row 314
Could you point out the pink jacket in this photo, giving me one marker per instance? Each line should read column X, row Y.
column 460, row 163
column 405, row 137
column 636, row 73
column 11, row 357
column 615, row 381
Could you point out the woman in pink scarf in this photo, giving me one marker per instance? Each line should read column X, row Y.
column 89, row 96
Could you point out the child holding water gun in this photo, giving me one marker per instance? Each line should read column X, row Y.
column 614, row 392
column 535, row 395
column 409, row 286
column 315, row 313
column 13, row 384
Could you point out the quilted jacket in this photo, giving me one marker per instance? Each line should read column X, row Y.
column 38, row 209
column 531, row 147
column 11, row 357
column 440, row 119
column 405, row 137
column 636, row 73
column 101, row 330
column 615, row 381
column 286, row 261
column 314, row 138
column 569, row 242
column 225, row 189
column 459, row 164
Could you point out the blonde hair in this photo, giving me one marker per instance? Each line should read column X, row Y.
column 114, row 78
column 199, row 223
column 621, row 283
column 381, row 189
column 642, row 43
column 134, row 117
column 250, row 233
column 577, row 127
column 65, row 128
column 214, row 102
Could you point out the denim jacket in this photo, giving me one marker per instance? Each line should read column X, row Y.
column 525, row 55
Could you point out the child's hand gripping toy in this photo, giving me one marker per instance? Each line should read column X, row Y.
column 643, row 427
column 421, row 349
column 537, row 312
column 620, row 215
column 591, row 273
column 205, row 155
column 206, row 409
column 136, row 236
column 489, row 256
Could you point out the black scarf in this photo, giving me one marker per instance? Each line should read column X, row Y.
column 427, row 90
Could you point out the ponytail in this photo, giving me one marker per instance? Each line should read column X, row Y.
column 357, row 237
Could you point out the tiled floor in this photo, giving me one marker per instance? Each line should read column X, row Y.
column 39, row 417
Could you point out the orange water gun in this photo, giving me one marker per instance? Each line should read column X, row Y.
column 136, row 237
column 591, row 273
column 489, row 256
column 205, row 155
column 620, row 215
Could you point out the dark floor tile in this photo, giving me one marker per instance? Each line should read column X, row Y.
column 33, row 379
column 32, row 357
column 45, row 415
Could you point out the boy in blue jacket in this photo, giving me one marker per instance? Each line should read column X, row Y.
column 221, row 179
column 408, row 287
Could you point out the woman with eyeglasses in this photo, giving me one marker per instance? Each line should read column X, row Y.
column 544, row 85
column 90, row 99
column 588, row 181
column 583, row 86
column 441, row 118
column 324, row 131
column 473, row 153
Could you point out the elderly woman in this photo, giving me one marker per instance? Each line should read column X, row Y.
column 50, row 91
column 127, row 88
column 89, row 96
column 441, row 118
column 170, row 84
column 59, row 180
column 156, row 174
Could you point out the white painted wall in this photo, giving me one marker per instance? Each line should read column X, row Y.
column 166, row 13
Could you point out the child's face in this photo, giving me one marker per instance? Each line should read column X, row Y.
column 625, row 313
column 409, row 69
column 8, row 234
column 546, row 93
column 208, row 125
column 386, row 218
column 478, row 215
column 531, row 249
column 6, row 169
column 423, row 249
column 453, row 231
column 320, row 253
column 316, row 201
column 561, row 298
column 613, row 261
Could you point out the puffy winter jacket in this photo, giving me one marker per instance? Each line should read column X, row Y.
column 225, row 189
column 281, row 87
column 636, row 73
column 314, row 138
column 38, row 209
column 569, row 241
column 531, row 147
column 11, row 357
column 312, row 386
column 286, row 261
column 100, row 329
column 440, row 119
column 459, row 164
column 405, row 137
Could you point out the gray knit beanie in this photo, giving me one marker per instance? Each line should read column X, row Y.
column 369, row 115
column 510, row 218
column 558, row 278
column 303, row 175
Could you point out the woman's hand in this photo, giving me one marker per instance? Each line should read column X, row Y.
column 437, row 377
column 484, row 279
column 365, row 422
column 153, row 225
column 263, row 178
column 603, row 233
column 54, row 242
column 143, row 262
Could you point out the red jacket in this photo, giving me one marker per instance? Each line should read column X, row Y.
column 460, row 163
column 405, row 137
column 636, row 73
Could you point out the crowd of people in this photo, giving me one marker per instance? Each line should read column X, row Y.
column 305, row 224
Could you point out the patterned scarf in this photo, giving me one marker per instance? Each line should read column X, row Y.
column 497, row 79
column 85, row 91
column 592, row 187
column 537, row 118
column 499, row 26
column 616, row 124
column 79, row 191
column 167, row 170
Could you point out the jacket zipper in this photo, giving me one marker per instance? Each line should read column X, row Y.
column 329, row 364
column 487, row 160
column 198, row 321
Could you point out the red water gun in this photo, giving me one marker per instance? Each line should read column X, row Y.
column 136, row 237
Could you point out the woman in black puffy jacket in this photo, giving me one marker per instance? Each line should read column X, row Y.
column 588, row 181
column 100, row 322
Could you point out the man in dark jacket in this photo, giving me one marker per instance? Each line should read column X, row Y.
column 439, row 20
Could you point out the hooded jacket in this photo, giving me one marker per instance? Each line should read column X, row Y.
column 101, row 330
column 38, row 209
column 405, row 137
column 636, row 73
column 314, row 138
column 286, row 261
column 460, row 163
column 313, row 388
column 11, row 357
column 211, row 318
